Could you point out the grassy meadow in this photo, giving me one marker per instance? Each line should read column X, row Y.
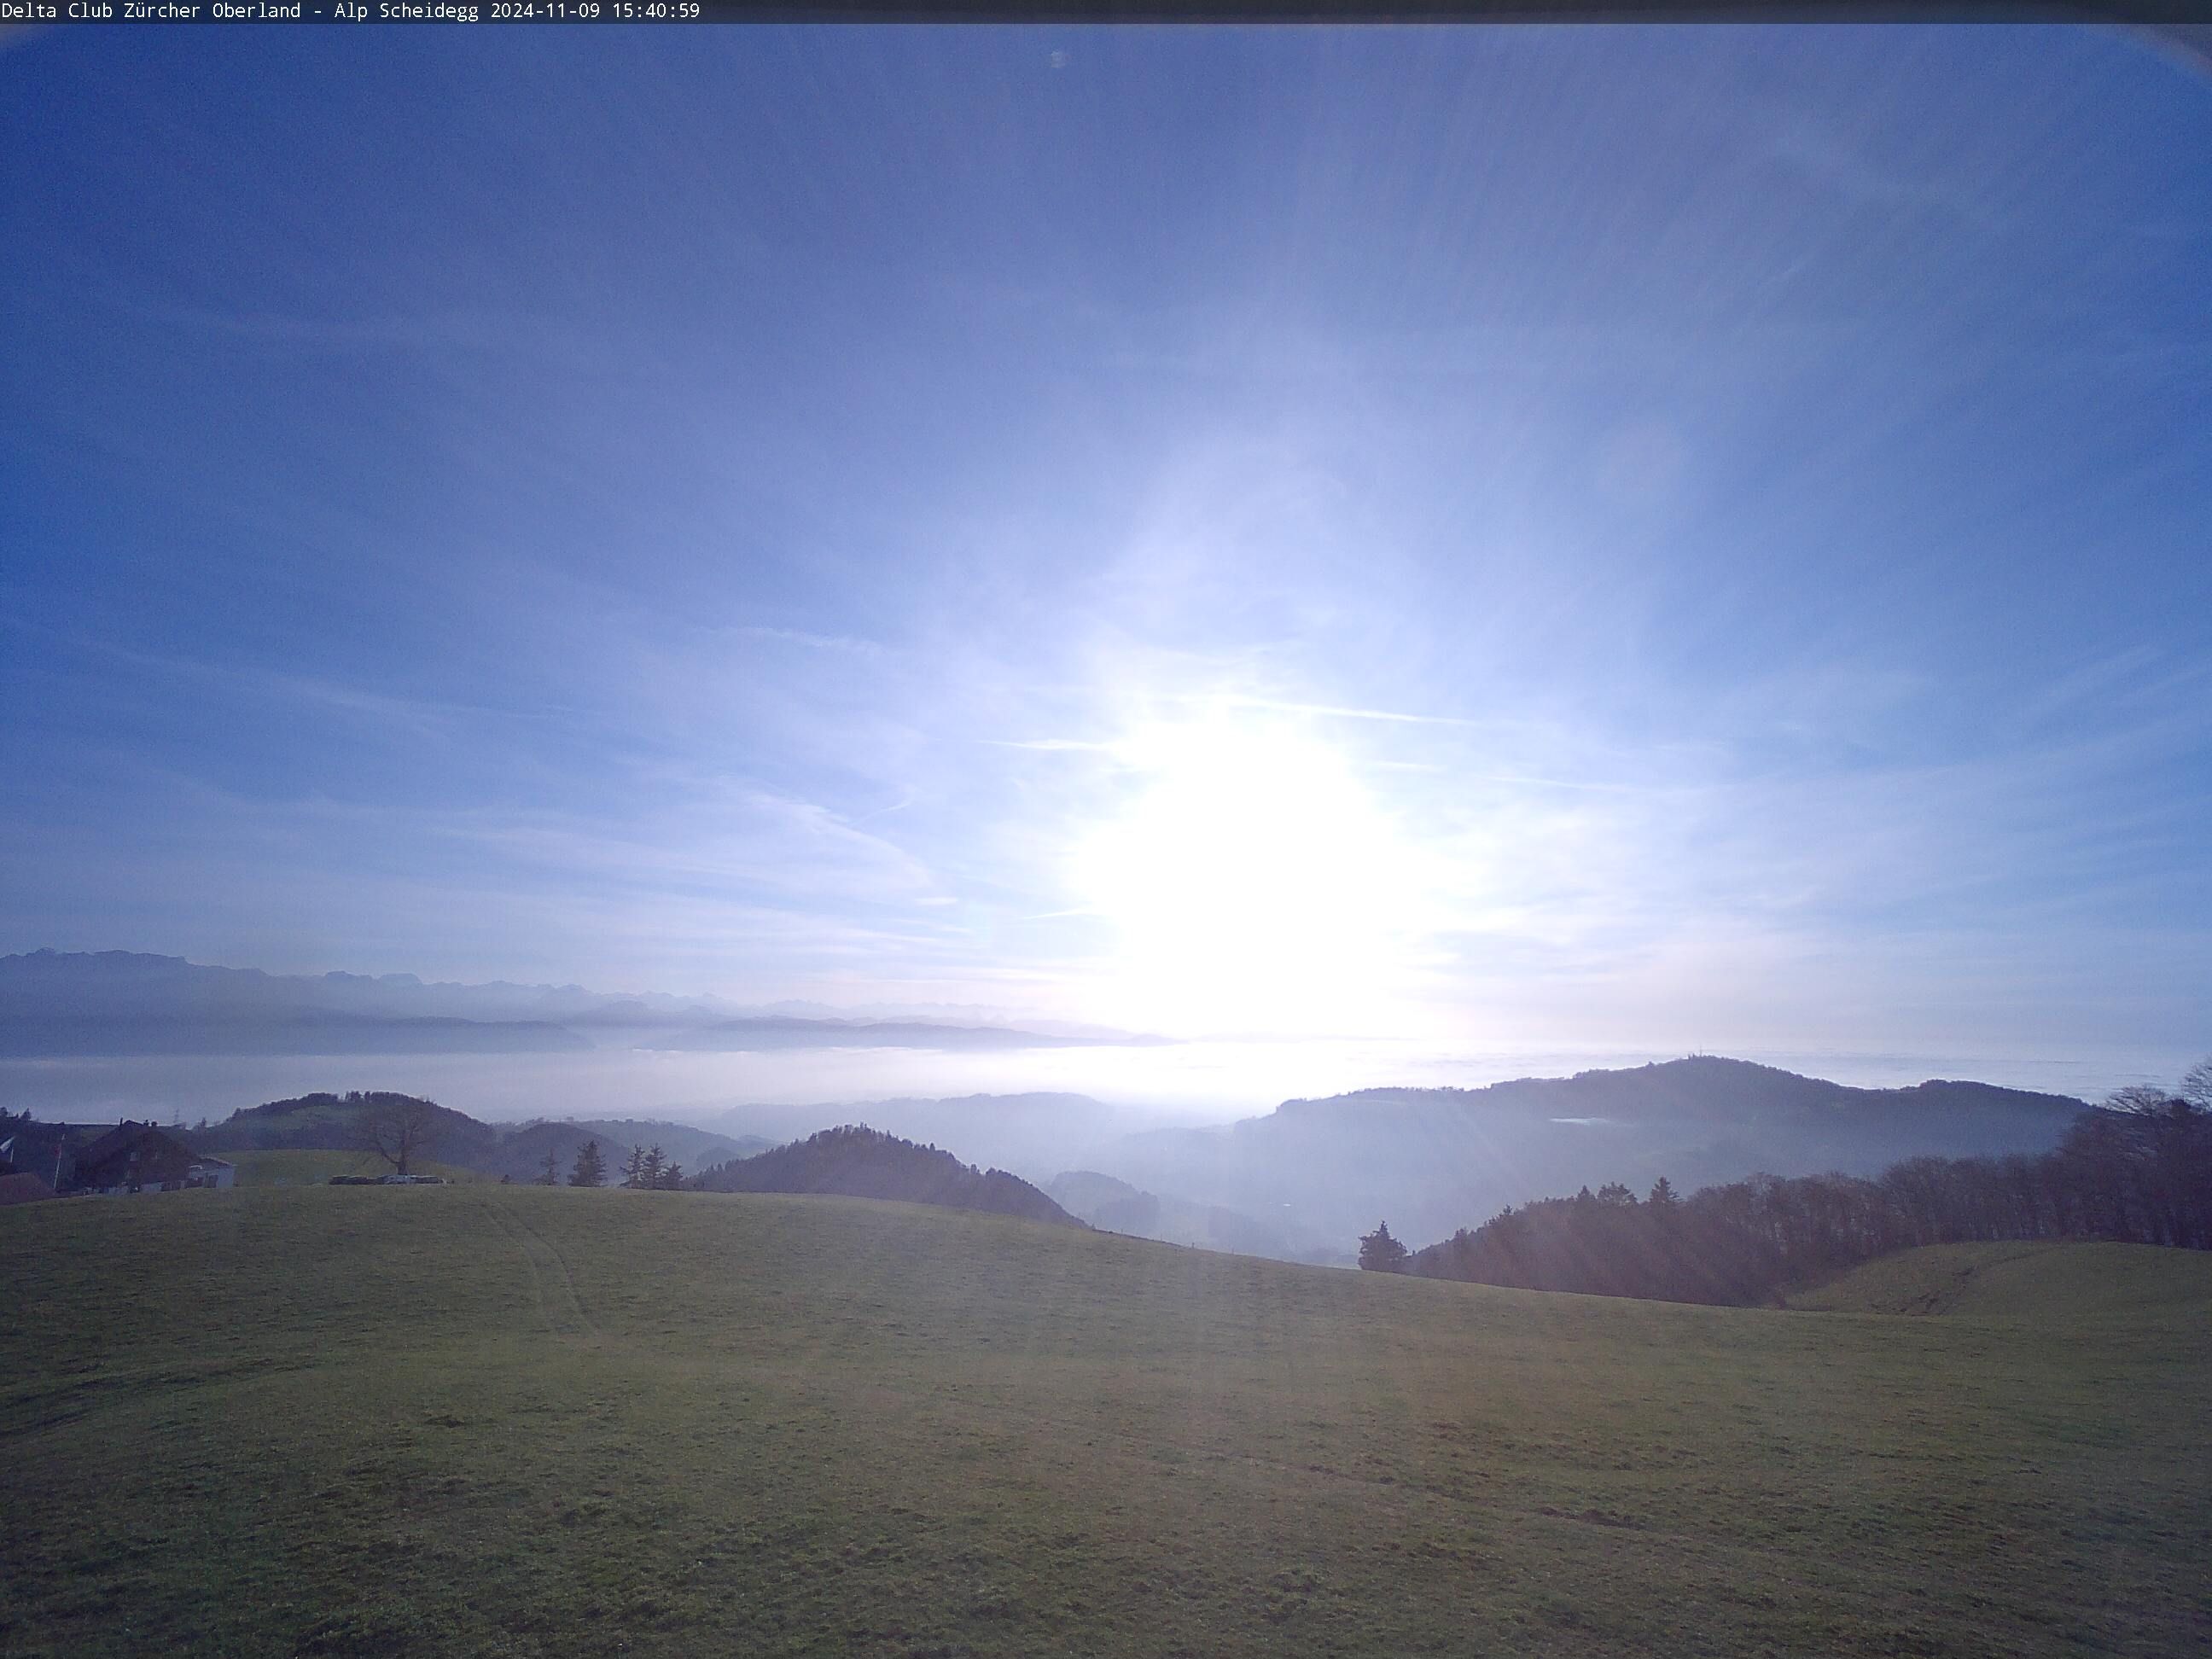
column 530, row 1421
column 2083, row 1286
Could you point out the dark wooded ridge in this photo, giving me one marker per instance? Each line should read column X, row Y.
column 858, row 1162
column 2140, row 1174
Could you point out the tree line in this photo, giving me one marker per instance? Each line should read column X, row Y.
column 2138, row 1170
column 648, row 1168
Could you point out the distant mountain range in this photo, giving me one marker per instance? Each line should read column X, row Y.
column 121, row 1002
column 303, row 1031
column 784, row 1031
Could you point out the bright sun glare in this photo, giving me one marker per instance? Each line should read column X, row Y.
column 1253, row 876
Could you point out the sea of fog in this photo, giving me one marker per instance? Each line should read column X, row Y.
column 1185, row 1083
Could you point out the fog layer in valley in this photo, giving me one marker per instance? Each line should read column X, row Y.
column 1187, row 1084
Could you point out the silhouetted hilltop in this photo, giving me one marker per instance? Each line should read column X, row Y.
column 1699, row 1089
column 1035, row 1135
column 857, row 1162
column 330, row 1122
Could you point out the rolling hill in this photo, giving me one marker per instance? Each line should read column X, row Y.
column 857, row 1162
column 1035, row 1134
column 332, row 1123
column 527, row 1421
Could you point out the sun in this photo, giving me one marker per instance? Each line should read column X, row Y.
column 1251, row 880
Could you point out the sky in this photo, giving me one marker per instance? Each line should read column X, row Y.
column 1671, row 537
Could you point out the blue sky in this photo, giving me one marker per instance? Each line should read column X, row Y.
column 1650, row 537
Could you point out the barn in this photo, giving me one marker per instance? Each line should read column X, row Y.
column 137, row 1157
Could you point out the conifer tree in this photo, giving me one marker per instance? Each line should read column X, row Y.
column 634, row 1167
column 1379, row 1253
column 671, row 1178
column 652, row 1167
column 591, row 1169
column 551, row 1174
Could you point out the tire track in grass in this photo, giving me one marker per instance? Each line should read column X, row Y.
column 550, row 1280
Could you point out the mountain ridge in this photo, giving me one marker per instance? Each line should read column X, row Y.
column 57, row 1004
column 1428, row 1158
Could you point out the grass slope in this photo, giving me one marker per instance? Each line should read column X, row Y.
column 2054, row 1285
column 525, row 1421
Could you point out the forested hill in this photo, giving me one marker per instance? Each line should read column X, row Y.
column 857, row 1162
column 2141, row 1176
column 328, row 1122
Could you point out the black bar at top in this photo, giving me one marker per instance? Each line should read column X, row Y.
column 2184, row 25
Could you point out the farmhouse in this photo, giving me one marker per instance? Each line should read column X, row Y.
column 137, row 1157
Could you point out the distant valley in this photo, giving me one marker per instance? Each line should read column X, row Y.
column 1302, row 1182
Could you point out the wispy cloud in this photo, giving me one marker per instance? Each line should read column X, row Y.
column 284, row 688
column 1336, row 711
column 801, row 637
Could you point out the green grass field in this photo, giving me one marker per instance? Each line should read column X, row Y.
column 516, row 1420
column 2075, row 1285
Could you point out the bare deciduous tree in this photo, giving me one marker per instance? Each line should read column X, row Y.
column 2196, row 1085
column 399, row 1128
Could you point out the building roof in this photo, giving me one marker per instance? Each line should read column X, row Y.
column 113, row 1142
column 23, row 1188
column 127, row 1135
